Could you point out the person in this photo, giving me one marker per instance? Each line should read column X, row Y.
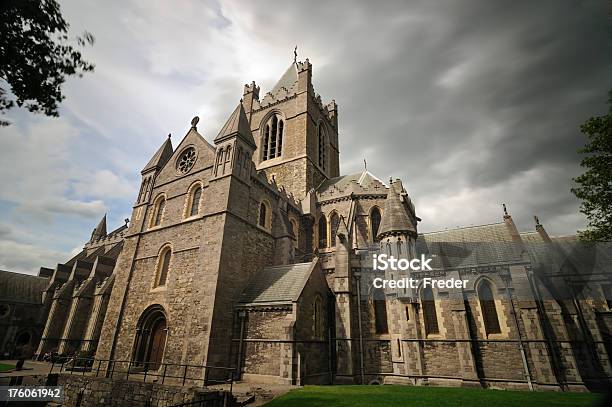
column 19, row 364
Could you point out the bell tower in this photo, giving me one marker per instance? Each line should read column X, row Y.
column 295, row 133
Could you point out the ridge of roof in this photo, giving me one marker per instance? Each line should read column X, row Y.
column 464, row 227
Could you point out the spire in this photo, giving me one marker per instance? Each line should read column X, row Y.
column 100, row 230
column 395, row 218
column 237, row 125
column 161, row 157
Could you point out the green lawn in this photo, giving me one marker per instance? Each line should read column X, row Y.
column 5, row 367
column 355, row 396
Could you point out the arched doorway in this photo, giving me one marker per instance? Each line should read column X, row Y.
column 23, row 338
column 23, row 344
column 150, row 338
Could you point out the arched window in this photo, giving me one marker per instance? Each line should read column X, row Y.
column 281, row 127
column 335, row 224
column 322, row 232
column 489, row 311
column 246, row 163
column 266, row 141
column 399, row 247
column 264, row 215
column 321, row 137
column 374, row 223
column 195, row 201
column 429, row 312
column 388, row 246
column 380, row 312
column 318, row 317
column 219, row 161
column 238, row 160
column 143, row 189
column 158, row 211
column 228, row 157
column 163, row 264
column 273, row 137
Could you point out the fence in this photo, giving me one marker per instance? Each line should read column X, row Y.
column 161, row 373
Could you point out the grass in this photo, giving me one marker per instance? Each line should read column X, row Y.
column 4, row 367
column 356, row 396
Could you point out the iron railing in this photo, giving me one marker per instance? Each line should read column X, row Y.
column 158, row 372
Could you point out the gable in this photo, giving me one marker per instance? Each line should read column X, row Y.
column 205, row 154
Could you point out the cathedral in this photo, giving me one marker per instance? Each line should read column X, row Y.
column 252, row 251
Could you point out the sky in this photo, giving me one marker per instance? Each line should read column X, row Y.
column 471, row 103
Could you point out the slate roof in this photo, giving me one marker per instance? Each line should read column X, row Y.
column 567, row 254
column 470, row 247
column 285, row 87
column 286, row 81
column 364, row 179
column 237, row 125
column 589, row 258
column 278, row 284
column 395, row 217
column 21, row 288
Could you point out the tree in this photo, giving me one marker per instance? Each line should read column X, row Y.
column 595, row 185
column 36, row 55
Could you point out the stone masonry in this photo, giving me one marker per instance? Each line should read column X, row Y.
column 250, row 251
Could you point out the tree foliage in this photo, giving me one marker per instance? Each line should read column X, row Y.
column 595, row 185
column 36, row 55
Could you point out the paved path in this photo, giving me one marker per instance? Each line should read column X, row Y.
column 30, row 368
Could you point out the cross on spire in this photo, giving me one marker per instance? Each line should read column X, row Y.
column 295, row 54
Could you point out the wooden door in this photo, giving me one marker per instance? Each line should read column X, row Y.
column 158, row 341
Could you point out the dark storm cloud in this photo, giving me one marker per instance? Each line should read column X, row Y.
column 463, row 97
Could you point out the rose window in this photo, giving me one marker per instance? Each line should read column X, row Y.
column 186, row 160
